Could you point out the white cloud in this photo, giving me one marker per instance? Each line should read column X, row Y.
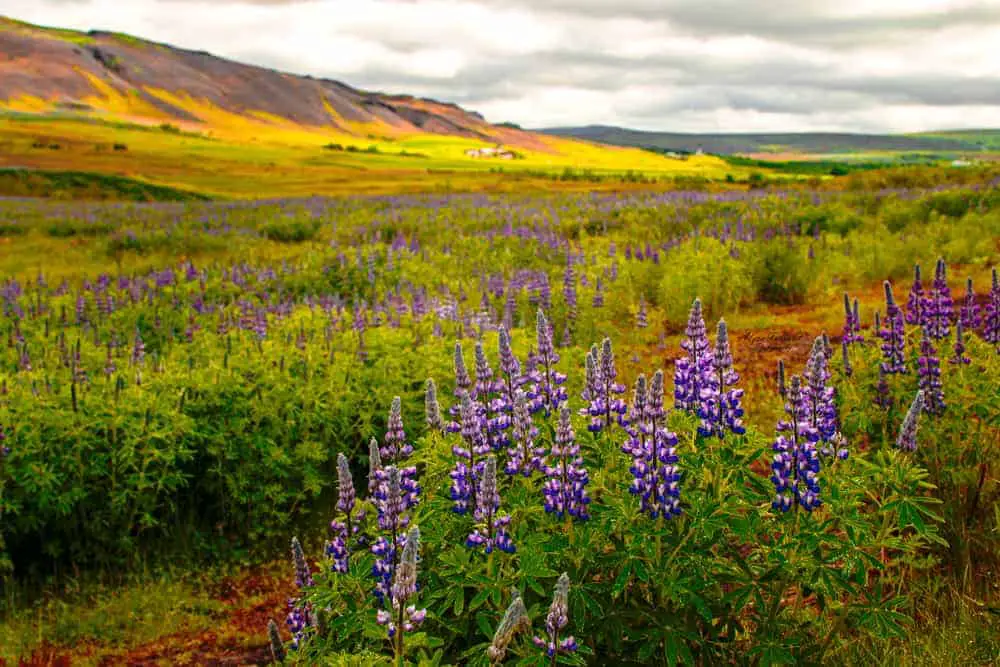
column 681, row 65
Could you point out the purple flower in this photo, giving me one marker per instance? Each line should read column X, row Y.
column 907, row 439
column 491, row 526
column 819, row 398
column 432, row 410
column 991, row 321
column 523, row 456
column 939, row 305
column 346, row 496
column 916, row 303
column 656, row 478
column 602, row 391
column 959, row 346
column 468, row 464
column 968, row 314
column 396, row 494
column 852, row 324
column 693, row 371
column 641, row 318
column 374, row 467
column 556, row 621
column 845, row 356
column 795, row 465
column 929, row 380
column 565, row 489
column 138, row 349
column 396, row 449
column 893, row 336
column 401, row 618
column 545, row 391
column 514, row 621
column 721, row 407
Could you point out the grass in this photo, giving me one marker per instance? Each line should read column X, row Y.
column 86, row 185
column 281, row 161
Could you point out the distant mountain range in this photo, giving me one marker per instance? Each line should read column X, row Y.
column 43, row 70
column 953, row 141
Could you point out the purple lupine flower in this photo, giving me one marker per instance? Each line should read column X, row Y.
column 565, row 489
column 795, row 465
column 545, row 391
column 883, row 398
column 893, row 335
column 959, row 346
column 374, row 466
column 401, row 618
column 432, row 410
column 822, row 411
column 603, row 391
column 653, row 449
column 346, row 497
column 495, row 417
column 556, row 621
column 395, row 495
column 463, row 387
column 907, row 439
column 916, row 303
column 138, row 349
column 641, row 318
column 569, row 291
column 468, row 464
column 523, row 456
column 300, row 619
column 939, row 305
column 491, row 526
column 514, row 621
column 395, row 448
column 721, row 408
column 968, row 313
column 929, row 379
column 845, row 356
column 852, row 324
column 598, row 301
column 303, row 577
column 991, row 321
column 693, row 371
column 274, row 639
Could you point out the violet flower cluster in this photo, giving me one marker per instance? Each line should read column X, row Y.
column 940, row 307
column 401, row 617
column 556, row 621
column 524, row 457
column 916, row 303
column 893, row 336
column 301, row 620
column 468, row 457
column 852, row 322
column 693, row 371
column 565, row 490
column 545, row 384
column 929, row 378
column 991, row 319
column 395, row 495
column 653, row 448
column 819, row 398
column 968, row 312
column 602, row 391
column 338, row 549
column 795, row 466
column 491, row 526
column 907, row 439
column 721, row 407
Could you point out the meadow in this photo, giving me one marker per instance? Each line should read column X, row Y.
column 533, row 428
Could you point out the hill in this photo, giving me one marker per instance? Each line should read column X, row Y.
column 827, row 143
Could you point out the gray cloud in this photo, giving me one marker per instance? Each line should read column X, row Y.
column 655, row 64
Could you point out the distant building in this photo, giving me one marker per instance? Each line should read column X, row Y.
column 498, row 152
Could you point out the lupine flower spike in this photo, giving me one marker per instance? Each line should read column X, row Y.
column 515, row 620
column 432, row 410
column 337, row 549
column 566, row 488
column 300, row 619
column 991, row 321
column 939, row 305
column 693, row 371
column 721, row 408
column 892, row 335
column 929, row 380
column 968, row 314
column 400, row 617
column 916, row 303
column 656, row 478
column 907, row 440
column 491, row 525
column 556, row 621
column 795, row 466
column 960, row 357
column 274, row 639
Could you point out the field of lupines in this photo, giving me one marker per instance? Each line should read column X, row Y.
column 528, row 445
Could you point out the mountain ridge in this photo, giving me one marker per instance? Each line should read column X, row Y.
column 45, row 69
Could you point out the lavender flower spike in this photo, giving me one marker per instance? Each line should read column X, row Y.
column 892, row 335
column 968, row 314
column 916, row 303
column 515, row 620
column 303, row 577
column 721, row 409
column 566, row 488
column 556, row 620
column 432, row 409
column 693, row 371
column 491, row 528
column 991, row 321
column 396, row 449
column 929, row 380
column 907, row 440
column 374, row 467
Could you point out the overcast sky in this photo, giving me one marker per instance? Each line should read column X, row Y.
column 672, row 65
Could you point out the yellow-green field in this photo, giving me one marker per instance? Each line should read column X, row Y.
column 255, row 160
